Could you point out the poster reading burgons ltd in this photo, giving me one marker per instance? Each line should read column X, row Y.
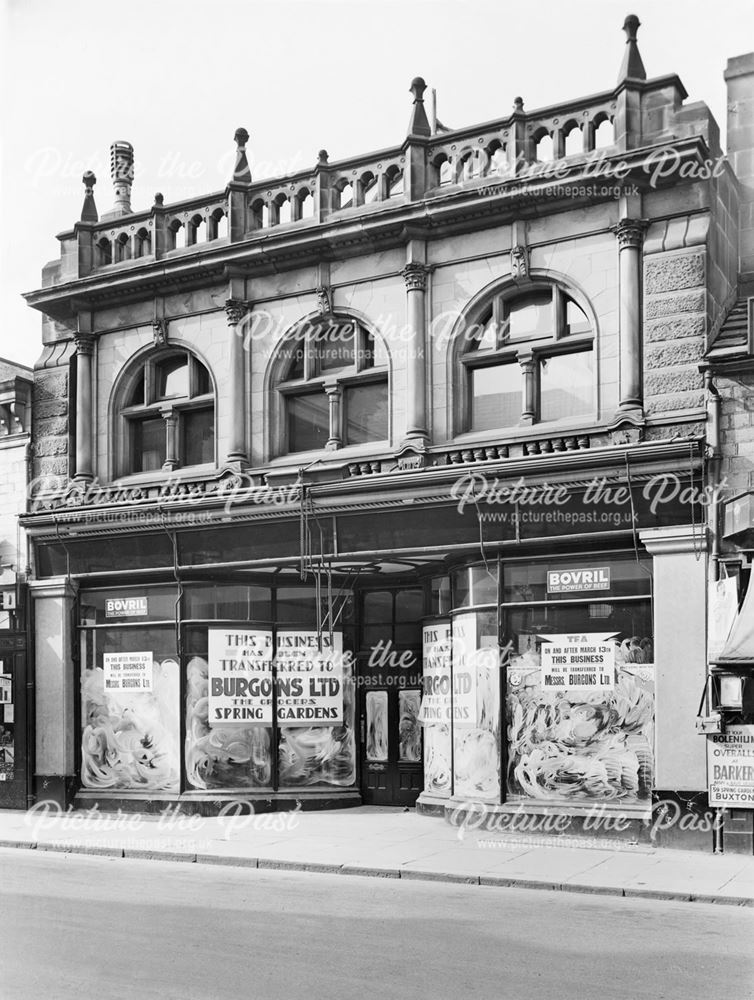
column 240, row 677
column 309, row 678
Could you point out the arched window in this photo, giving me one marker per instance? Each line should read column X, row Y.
column 331, row 388
column 166, row 414
column 527, row 357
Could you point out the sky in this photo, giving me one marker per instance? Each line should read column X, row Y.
column 177, row 77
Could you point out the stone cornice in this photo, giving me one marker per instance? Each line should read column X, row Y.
column 224, row 501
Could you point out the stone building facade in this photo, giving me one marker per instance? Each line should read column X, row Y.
column 15, row 436
column 434, row 414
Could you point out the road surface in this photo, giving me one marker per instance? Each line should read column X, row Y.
column 75, row 926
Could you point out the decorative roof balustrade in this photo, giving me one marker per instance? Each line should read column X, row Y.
column 433, row 162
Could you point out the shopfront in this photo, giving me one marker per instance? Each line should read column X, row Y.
column 399, row 662
column 549, row 685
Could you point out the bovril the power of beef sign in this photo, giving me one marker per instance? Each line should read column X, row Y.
column 308, row 674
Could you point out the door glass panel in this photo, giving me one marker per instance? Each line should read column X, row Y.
column 376, row 723
column 409, row 730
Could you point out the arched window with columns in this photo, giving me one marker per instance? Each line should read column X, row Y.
column 329, row 387
column 164, row 413
column 523, row 356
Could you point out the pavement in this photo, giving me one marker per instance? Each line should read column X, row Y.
column 389, row 843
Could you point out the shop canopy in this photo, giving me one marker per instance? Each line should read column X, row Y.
column 739, row 648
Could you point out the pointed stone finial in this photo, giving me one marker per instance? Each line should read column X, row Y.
column 418, row 123
column 518, row 105
column 89, row 209
column 322, row 156
column 632, row 68
column 241, row 171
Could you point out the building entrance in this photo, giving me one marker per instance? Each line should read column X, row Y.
column 389, row 682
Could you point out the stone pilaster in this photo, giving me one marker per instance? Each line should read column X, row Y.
column 630, row 235
column 84, row 436
column 415, row 276
column 236, row 310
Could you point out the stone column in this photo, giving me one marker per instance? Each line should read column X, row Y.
column 171, row 444
column 84, row 438
column 54, row 692
column 415, row 275
column 680, row 652
column 529, row 375
column 334, row 399
column 630, row 233
column 236, row 310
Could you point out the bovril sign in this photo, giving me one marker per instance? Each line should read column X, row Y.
column 563, row 581
column 126, row 607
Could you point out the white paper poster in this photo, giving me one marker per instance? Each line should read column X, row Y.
column 464, row 671
column 309, row 681
column 6, row 689
column 580, row 662
column 128, row 671
column 240, row 677
column 730, row 767
column 436, row 701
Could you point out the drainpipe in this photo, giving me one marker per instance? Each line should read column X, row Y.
column 714, row 407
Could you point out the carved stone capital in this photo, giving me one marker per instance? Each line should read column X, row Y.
column 84, row 344
column 630, row 233
column 415, row 276
column 235, row 310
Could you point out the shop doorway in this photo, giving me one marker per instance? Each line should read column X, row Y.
column 389, row 670
column 13, row 737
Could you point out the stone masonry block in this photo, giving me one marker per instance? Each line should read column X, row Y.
column 49, row 426
column 675, row 329
column 51, row 446
column 672, row 403
column 50, row 408
column 50, row 385
column 678, row 352
column 46, row 466
column 672, row 380
column 670, row 305
column 666, row 274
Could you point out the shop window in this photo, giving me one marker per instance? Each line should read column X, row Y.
column 166, row 419
column 130, row 695
column 580, row 681
column 331, row 389
column 525, row 359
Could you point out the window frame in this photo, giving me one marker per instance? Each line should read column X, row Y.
column 528, row 353
column 333, row 383
column 171, row 409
